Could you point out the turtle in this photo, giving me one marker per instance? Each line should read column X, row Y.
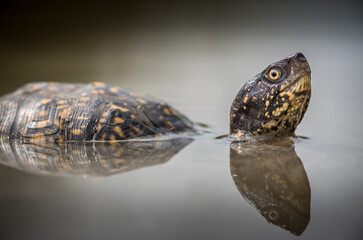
column 271, row 103
column 47, row 112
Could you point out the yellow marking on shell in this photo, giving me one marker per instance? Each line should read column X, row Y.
column 62, row 106
column 82, row 104
column 246, row 98
column 118, row 120
column 113, row 138
column 76, row 131
column 94, row 92
column 43, row 113
column 83, row 118
column 49, row 131
column 85, row 99
column 259, row 83
column 254, row 98
column 160, row 117
column 119, row 108
column 119, row 131
column 119, row 160
column 233, row 115
column 132, row 116
column 66, row 114
column 142, row 101
column 282, row 99
column 268, row 95
column 263, row 99
column 103, row 120
column 267, row 103
column 42, row 124
column 45, row 101
column 138, row 130
column 98, row 84
column 249, row 89
column 244, row 107
column 103, row 137
column 61, row 138
column 138, row 107
column 102, row 92
column 114, row 90
column 166, row 111
column 35, row 87
column 60, row 102
column 83, row 126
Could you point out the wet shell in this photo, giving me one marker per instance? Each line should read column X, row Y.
column 58, row 112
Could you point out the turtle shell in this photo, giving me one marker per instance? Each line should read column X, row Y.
column 58, row 112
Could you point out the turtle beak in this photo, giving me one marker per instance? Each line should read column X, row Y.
column 299, row 60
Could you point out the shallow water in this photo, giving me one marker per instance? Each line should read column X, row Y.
column 206, row 188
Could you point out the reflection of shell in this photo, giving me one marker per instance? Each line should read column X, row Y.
column 87, row 158
column 272, row 178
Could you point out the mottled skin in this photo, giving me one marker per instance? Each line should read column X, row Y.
column 274, row 101
column 57, row 112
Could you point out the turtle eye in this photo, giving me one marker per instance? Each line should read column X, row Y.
column 274, row 74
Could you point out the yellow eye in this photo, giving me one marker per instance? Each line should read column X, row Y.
column 274, row 74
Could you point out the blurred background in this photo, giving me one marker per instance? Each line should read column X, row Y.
column 196, row 55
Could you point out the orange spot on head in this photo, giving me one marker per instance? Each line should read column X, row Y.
column 169, row 124
column 166, row 111
column 245, row 99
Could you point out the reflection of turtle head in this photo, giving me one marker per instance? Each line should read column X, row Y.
column 272, row 178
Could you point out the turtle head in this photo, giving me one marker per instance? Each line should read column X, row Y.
column 275, row 100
